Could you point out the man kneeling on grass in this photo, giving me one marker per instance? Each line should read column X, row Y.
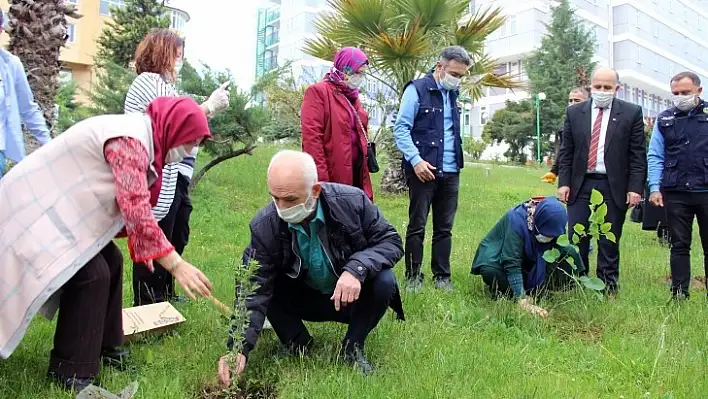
column 323, row 252
column 510, row 258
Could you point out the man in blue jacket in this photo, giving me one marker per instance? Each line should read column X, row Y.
column 17, row 106
column 427, row 132
column 678, row 174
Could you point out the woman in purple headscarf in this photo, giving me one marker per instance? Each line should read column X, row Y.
column 335, row 124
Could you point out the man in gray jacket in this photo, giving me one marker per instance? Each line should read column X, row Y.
column 323, row 252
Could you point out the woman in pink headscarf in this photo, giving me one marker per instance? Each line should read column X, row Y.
column 335, row 124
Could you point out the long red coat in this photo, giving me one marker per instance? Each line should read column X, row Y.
column 326, row 135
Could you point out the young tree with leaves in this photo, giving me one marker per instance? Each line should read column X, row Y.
column 559, row 65
column 234, row 131
column 513, row 125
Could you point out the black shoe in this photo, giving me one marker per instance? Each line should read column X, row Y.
column 300, row 348
column 354, row 356
column 70, row 383
column 414, row 285
column 444, row 284
column 115, row 357
column 679, row 296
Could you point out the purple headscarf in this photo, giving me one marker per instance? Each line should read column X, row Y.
column 347, row 62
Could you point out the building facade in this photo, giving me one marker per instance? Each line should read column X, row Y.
column 77, row 56
column 646, row 41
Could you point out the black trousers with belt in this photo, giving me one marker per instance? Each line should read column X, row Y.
column 681, row 208
column 90, row 316
column 608, row 255
column 160, row 286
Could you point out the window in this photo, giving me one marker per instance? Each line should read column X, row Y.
column 373, row 113
column 514, row 69
column 105, row 8
column 639, row 55
column 512, row 25
column 177, row 20
column 71, row 33
column 483, row 115
column 371, row 86
column 467, row 119
column 655, row 28
column 657, row 61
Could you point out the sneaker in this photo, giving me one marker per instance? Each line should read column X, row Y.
column 444, row 284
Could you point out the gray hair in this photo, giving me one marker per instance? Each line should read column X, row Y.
column 300, row 160
column 617, row 75
column 456, row 53
column 686, row 74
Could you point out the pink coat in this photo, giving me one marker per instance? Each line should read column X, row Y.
column 57, row 211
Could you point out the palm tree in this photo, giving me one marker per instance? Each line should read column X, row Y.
column 38, row 31
column 403, row 39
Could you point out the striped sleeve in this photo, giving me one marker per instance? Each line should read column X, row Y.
column 144, row 89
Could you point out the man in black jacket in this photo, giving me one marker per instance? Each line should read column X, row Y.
column 603, row 149
column 323, row 252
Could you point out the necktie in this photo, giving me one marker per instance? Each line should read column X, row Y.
column 595, row 140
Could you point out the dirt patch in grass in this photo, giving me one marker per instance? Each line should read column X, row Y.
column 250, row 391
column 698, row 283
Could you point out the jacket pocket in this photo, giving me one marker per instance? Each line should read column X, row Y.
column 429, row 150
column 670, row 178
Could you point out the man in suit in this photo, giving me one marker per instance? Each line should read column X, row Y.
column 603, row 148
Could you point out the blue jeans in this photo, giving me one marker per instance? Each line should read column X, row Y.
column 2, row 164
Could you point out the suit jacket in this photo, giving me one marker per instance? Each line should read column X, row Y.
column 625, row 149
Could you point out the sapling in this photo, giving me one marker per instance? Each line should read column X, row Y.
column 597, row 228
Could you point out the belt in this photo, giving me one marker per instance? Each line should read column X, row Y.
column 595, row 176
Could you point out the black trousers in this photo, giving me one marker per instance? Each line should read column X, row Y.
column 442, row 194
column 294, row 301
column 90, row 316
column 160, row 286
column 681, row 208
column 608, row 255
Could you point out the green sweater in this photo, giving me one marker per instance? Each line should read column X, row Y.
column 503, row 249
column 319, row 271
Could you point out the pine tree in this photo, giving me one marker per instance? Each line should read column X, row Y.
column 555, row 68
column 129, row 26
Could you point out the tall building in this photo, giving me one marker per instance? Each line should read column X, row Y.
column 77, row 56
column 283, row 28
column 646, row 41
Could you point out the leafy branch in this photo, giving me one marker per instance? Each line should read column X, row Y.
column 597, row 228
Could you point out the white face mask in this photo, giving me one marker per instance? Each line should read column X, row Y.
column 178, row 67
column 449, row 82
column 298, row 213
column 602, row 99
column 543, row 239
column 176, row 155
column 685, row 102
column 355, row 81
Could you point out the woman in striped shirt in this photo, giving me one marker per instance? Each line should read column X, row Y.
column 158, row 60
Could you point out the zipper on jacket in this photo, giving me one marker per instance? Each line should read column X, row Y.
column 299, row 260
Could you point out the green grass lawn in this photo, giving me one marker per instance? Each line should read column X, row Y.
column 457, row 345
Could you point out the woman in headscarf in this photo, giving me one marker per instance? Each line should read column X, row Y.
column 510, row 258
column 158, row 62
column 334, row 122
column 61, row 208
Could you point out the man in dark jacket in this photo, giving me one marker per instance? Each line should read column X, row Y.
column 323, row 252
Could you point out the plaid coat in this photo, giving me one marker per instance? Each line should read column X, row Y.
column 58, row 209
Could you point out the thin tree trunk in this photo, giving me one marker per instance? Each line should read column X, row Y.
column 233, row 154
